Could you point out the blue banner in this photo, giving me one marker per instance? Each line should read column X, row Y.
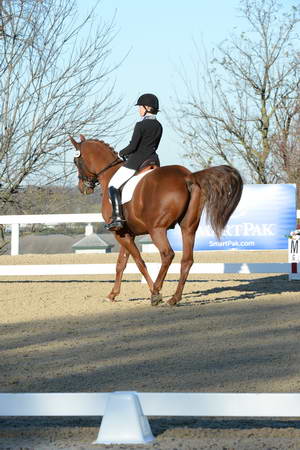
column 262, row 221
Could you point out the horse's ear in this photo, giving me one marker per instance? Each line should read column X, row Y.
column 82, row 138
column 76, row 144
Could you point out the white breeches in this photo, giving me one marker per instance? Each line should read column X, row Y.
column 123, row 174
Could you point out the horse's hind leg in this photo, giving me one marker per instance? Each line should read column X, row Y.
column 159, row 238
column 188, row 225
column 120, row 267
column 188, row 239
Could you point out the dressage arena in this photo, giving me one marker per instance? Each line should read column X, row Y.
column 230, row 333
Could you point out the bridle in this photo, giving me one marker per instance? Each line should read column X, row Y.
column 92, row 181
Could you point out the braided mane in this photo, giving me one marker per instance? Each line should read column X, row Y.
column 105, row 143
column 82, row 139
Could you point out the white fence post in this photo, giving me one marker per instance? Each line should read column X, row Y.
column 15, row 221
column 15, row 228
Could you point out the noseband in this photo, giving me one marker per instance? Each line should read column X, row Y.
column 91, row 181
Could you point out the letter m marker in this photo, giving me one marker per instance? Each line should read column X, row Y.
column 294, row 255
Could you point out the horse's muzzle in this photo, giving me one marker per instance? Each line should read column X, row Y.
column 86, row 187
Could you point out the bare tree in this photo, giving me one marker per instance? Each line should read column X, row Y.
column 53, row 200
column 286, row 150
column 55, row 79
column 246, row 96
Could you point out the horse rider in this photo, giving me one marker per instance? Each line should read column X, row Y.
column 140, row 152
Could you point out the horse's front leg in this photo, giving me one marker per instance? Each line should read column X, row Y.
column 120, row 267
column 127, row 241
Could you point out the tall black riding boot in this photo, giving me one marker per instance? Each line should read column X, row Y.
column 117, row 219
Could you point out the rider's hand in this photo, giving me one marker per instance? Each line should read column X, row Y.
column 122, row 156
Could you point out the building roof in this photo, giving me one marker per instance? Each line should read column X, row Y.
column 36, row 243
column 92, row 241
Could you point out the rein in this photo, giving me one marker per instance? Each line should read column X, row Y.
column 79, row 162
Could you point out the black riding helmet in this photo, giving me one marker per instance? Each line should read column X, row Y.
column 148, row 100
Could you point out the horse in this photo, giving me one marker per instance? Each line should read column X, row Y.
column 164, row 197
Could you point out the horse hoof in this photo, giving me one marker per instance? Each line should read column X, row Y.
column 156, row 299
column 172, row 302
column 110, row 300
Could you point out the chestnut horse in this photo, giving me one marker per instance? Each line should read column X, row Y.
column 164, row 197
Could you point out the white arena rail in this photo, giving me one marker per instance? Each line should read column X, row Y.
column 97, row 269
column 16, row 221
column 125, row 413
column 131, row 268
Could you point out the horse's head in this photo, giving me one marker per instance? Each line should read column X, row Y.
column 92, row 158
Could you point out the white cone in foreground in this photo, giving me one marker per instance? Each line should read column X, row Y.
column 123, row 421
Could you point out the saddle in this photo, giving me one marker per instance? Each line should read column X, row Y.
column 149, row 164
column 128, row 187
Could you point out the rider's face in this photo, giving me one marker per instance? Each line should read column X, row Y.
column 142, row 110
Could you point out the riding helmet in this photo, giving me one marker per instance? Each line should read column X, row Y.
column 148, row 100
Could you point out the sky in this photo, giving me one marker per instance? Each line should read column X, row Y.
column 159, row 36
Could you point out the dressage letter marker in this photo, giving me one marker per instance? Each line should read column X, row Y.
column 294, row 250
column 294, row 258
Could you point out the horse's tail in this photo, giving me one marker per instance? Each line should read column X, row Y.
column 222, row 187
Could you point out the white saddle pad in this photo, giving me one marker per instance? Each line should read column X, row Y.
column 129, row 187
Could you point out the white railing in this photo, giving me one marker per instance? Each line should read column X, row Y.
column 153, row 268
column 16, row 221
column 97, row 269
column 125, row 413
